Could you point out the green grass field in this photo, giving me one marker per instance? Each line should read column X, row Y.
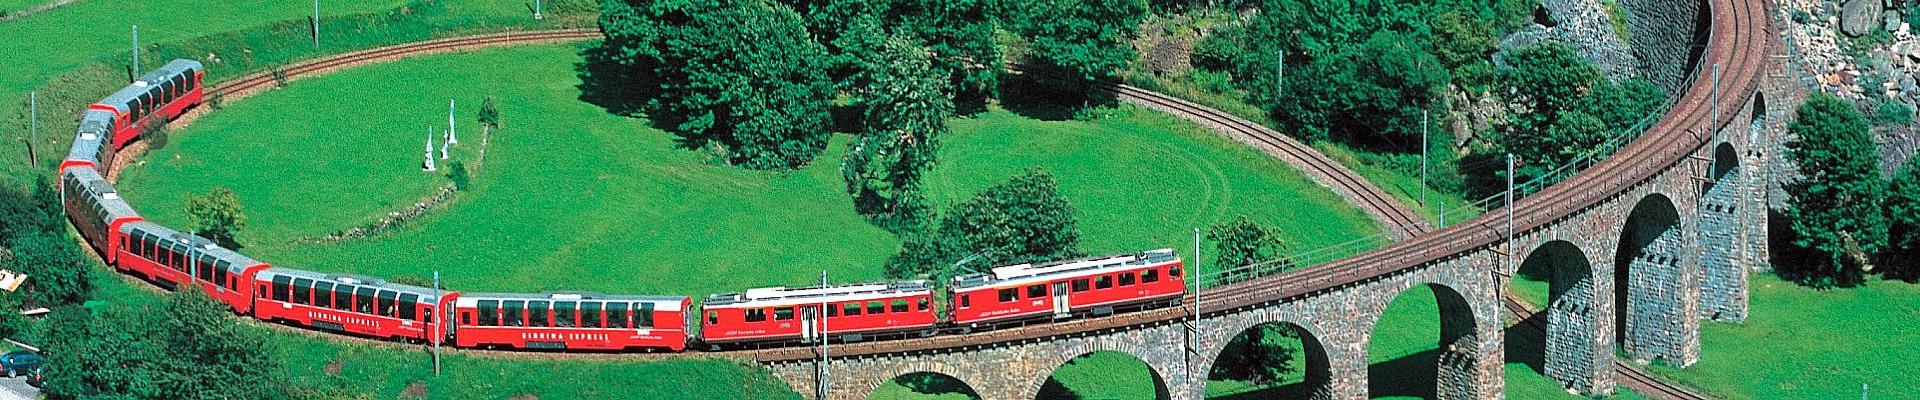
column 571, row 197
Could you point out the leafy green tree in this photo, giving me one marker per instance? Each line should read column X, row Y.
column 1374, row 93
column 11, row 322
column 905, row 113
column 1242, row 243
column 960, row 34
column 1263, row 355
column 1086, row 40
column 1019, row 221
column 1901, row 259
column 489, row 117
column 738, row 76
column 205, row 355
column 1545, row 78
column 1569, row 107
column 1835, row 207
column 458, row 174
column 111, row 356
column 57, row 271
column 217, row 215
column 27, row 212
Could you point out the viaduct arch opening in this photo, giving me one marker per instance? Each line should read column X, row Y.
column 924, row 384
column 1650, row 283
column 1274, row 360
column 1559, row 341
column 1104, row 374
column 1406, row 358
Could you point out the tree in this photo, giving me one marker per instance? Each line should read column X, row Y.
column 458, row 174
column 186, row 348
column 24, row 212
column 960, row 34
column 737, row 76
column 1375, row 93
column 1260, row 356
column 1568, row 108
column 57, row 271
column 905, row 113
column 217, row 215
column 1901, row 259
column 1243, row 243
column 1086, row 40
column 1546, row 78
column 489, row 117
column 1835, row 207
column 1019, row 221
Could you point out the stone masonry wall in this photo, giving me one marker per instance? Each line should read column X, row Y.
column 1662, row 34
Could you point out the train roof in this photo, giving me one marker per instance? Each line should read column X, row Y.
column 94, row 127
column 355, row 280
column 88, row 180
column 778, row 296
column 119, row 99
column 1065, row 268
column 198, row 248
column 664, row 303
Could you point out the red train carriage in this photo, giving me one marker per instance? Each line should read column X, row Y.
column 90, row 143
column 171, row 258
column 96, row 209
column 1062, row 289
column 571, row 321
column 160, row 95
column 791, row 315
column 351, row 304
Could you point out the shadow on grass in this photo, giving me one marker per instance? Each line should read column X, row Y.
column 1046, row 94
column 1525, row 343
column 1412, row 375
column 1296, row 390
column 935, row 384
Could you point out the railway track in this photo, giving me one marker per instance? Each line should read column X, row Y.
column 1740, row 36
column 1629, row 375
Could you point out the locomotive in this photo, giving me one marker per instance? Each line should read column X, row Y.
column 560, row 321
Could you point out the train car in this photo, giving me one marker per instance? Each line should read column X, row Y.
column 1063, row 289
column 96, row 209
column 769, row 315
column 160, row 95
column 350, row 304
column 571, row 321
column 90, row 143
column 171, row 258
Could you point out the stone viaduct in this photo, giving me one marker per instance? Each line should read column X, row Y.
column 1639, row 254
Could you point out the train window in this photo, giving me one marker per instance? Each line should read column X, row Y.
column 756, row 315
column 590, row 315
column 280, row 287
column 783, row 313
column 833, row 311
column 563, row 315
column 899, row 306
column 1126, row 279
column 343, row 297
column 1036, row 291
column 921, row 304
column 713, row 318
column 220, row 277
column 616, row 315
column 537, row 314
column 1081, row 285
column 205, row 270
column 466, row 318
column 262, row 292
column 966, row 301
column 303, row 291
column 1173, row 272
column 489, row 312
column 385, row 306
column 511, row 311
column 323, row 295
column 363, row 300
column 1007, row 295
column 1150, row 276
column 409, row 306
column 1102, row 282
column 852, row 309
column 643, row 318
column 875, row 307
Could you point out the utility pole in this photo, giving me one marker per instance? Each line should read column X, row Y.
column 1193, row 271
column 821, row 392
column 33, row 135
column 316, row 24
column 442, row 334
column 1423, row 157
column 1510, row 248
column 1280, row 71
column 136, row 51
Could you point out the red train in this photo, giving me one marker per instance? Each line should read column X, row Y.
column 554, row 321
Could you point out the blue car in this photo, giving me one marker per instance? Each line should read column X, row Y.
column 20, row 362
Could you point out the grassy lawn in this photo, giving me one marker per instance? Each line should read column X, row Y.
column 1802, row 343
column 571, row 197
column 9, row 7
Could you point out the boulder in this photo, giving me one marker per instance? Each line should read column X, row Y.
column 1859, row 17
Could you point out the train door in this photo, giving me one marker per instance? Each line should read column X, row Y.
column 809, row 323
column 1061, row 307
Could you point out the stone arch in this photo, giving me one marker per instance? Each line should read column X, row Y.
column 1654, row 287
column 1458, row 358
column 1567, row 347
column 1042, row 388
column 1723, row 266
column 1316, row 365
column 928, row 382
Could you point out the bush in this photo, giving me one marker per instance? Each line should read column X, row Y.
column 217, row 216
column 58, row 270
column 1022, row 220
column 1888, row 112
column 457, row 173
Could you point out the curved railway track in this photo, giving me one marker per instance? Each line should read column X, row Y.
column 1740, row 36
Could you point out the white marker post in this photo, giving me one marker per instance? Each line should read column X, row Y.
column 428, row 165
column 536, row 9
column 316, row 24
column 452, row 137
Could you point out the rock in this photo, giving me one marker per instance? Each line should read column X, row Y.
column 1910, row 49
column 1858, row 17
